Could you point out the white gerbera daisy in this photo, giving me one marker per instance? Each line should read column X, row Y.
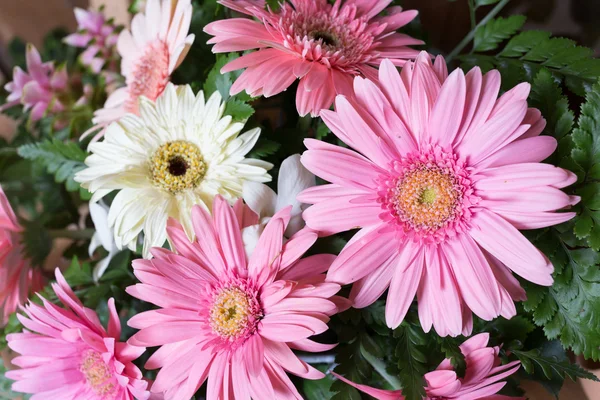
column 179, row 152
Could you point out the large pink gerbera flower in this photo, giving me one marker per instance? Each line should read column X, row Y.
column 231, row 319
column 156, row 45
column 482, row 380
column 322, row 44
column 17, row 277
column 447, row 175
column 66, row 354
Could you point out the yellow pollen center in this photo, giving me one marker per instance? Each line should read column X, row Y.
column 177, row 166
column 427, row 198
column 98, row 375
column 231, row 313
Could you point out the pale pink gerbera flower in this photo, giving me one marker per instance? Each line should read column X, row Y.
column 482, row 380
column 17, row 277
column 322, row 44
column 231, row 319
column 446, row 175
column 97, row 35
column 38, row 88
column 156, row 45
column 66, row 354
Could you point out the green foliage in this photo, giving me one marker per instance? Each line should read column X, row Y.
column 222, row 83
column 488, row 36
column 264, row 148
column 570, row 309
column 318, row 389
column 528, row 52
column 586, row 154
column 36, row 241
column 553, row 363
column 412, row 359
column 62, row 159
column 480, row 3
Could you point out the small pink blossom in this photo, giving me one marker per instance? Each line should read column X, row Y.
column 324, row 45
column 483, row 377
column 97, row 35
column 442, row 177
column 17, row 277
column 231, row 319
column 66, row 353
column 38, row 88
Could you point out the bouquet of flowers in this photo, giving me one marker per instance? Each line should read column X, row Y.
column 256, row 199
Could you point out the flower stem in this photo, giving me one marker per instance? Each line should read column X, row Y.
column 81, row 234
column 379, row 366
column 471, row 34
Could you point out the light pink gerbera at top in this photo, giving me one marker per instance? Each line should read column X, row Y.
column 482, row 380
column 17, row 277
column 156, row 44
column 322, row 44
column 446, row 176
column 231, row 319
column 66, row 354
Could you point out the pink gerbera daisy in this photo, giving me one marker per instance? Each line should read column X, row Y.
column 156, row 45
column 17, row 277
column 446, row 175
column 231, row 319
column 322, row 44
column 482, row 380
column 66, row 354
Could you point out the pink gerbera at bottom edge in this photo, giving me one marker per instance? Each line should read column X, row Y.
column 232, row 319
column 66, row 353
column 483, row 377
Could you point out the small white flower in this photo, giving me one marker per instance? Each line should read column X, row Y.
column 103, row 237
column 179, row 152
column 293, row 178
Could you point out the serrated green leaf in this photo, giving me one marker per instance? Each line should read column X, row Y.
column 488, row 36
column 524, row 42
column 216, row 81
column 79, row 274
column 553, row 362
column 239, row 110
column 264, row 148
column 412, row 361
column 62, row 159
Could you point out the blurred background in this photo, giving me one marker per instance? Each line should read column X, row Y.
column 444, row 23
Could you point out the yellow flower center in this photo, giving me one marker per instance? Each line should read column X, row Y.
column 232, row 314
column 177, row 166
column 98, row 375
column 427, row 197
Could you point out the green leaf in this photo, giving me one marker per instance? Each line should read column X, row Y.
column 585, row 153
column 412, row 361
column 553, row 362
column 79, row 274
column 488, row 36
column 216, row 81
column 239, row 110
column 480, row 3
column 569, row 310
column 528, row 52
column 264, row 148
column 318, row 389
column 62, row 159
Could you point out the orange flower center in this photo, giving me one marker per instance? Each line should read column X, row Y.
column 234, row 313
column 98, row 375
column 427, row 198
column 149, row 76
